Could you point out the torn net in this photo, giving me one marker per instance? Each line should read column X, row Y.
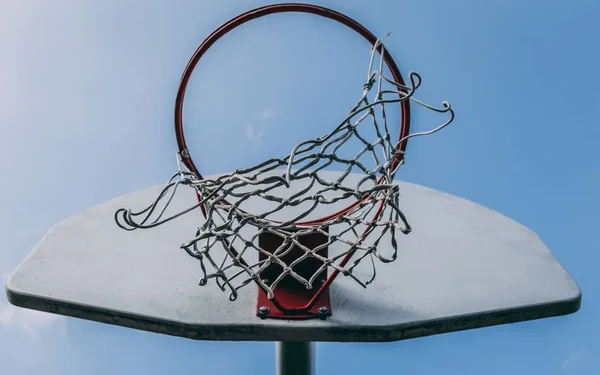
column 279, row 196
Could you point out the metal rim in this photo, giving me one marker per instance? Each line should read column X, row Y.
column 274, row 9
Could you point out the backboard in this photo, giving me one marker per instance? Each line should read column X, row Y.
column 462, row 267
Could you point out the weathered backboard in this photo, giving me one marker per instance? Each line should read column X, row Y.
column 463, row 266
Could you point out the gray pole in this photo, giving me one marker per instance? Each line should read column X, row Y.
column 295, row 358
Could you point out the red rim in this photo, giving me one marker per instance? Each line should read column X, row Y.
column 285, row 8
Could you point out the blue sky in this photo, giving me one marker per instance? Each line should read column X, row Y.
column 86, row 115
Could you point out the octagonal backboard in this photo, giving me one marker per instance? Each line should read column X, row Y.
column 462, row 267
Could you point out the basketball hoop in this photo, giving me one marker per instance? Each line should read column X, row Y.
column 294, row 252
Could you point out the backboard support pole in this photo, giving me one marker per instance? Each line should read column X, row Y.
column 295, row 358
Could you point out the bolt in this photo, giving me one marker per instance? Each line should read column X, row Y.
column 263, row 312
column 323, row 312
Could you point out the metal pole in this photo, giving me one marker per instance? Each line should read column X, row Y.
column 295, row 358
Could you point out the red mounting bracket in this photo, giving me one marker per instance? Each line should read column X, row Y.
column 290, row 295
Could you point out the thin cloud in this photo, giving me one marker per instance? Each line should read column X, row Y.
column 31, row 322
column 266, row 115
column 576, row 362
column 254, row 133
column 255, row 130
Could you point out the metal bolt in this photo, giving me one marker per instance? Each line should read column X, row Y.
column 263, row 312
column 323, row 312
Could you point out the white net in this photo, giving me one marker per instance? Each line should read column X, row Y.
column 281, row 196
